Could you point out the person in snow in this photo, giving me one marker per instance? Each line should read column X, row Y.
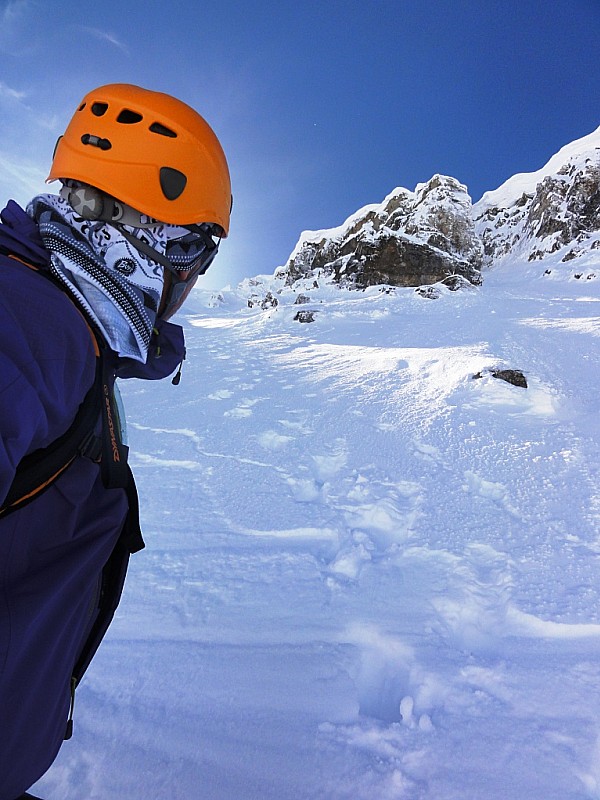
column 88, row 281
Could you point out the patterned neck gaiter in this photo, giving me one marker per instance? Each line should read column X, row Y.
column 116, row 284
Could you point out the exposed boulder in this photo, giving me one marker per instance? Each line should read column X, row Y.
column 453, row 283
column 305, row 316
column 266, row 302
column 512, row 376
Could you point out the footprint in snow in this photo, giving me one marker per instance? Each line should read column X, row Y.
column 473, row 608
column 388, row 513
column 305, row 490
column 239, row 413
column 327, row 466
column 271, row 440
column 243, row 410
column 378, row 517
column 428, row 453
column 489, row 490
column 299, row 425
column 392, row 686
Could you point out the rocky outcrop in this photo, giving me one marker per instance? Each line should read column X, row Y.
column 410, row 239
column 435, row 235
column 553, row 211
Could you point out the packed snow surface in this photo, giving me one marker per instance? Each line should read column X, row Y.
column 368, row 575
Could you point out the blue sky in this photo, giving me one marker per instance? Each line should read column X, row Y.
column 322, row 107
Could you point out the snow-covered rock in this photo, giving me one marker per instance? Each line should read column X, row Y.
column 434, row 234
column 411, row 238
column 552, row 212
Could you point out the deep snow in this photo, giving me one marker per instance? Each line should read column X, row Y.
column 367, row 574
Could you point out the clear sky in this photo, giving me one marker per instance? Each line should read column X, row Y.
column 322, row 106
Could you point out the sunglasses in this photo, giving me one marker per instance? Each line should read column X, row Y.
column 189, row 257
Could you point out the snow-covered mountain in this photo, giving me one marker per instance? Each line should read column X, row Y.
column 434, row 233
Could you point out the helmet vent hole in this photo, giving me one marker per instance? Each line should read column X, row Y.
column 128, row 117
column 172, row 182
column 156, row 127
column 99, row 109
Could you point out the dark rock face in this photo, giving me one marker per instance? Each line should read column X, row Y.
column 305, row 316
column 268, row 301
column 396, row 261
column 568, row 204
column 562, row 212
column 512, row 376
column 412, row 238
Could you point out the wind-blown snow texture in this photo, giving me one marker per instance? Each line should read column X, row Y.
column 368, row 575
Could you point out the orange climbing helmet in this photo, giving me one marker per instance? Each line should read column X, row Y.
column 148, row 150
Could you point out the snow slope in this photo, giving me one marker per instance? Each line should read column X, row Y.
column 367, row 574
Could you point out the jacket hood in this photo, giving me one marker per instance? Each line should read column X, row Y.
column 20, row 235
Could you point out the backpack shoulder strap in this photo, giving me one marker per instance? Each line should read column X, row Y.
column 38, row 470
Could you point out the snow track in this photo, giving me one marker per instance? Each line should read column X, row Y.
column 368, row 575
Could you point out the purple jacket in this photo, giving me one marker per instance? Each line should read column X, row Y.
column 53, row 550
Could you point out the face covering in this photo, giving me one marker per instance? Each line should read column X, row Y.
column 119, row 287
